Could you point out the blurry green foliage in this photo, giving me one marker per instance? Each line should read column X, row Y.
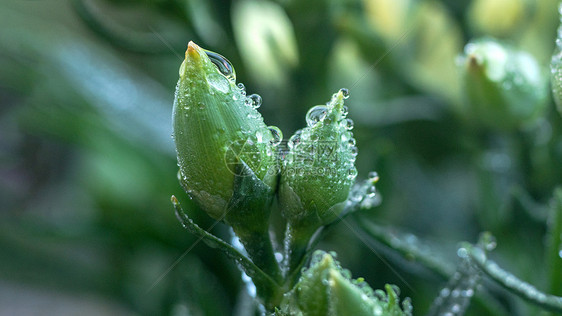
column 87, row 164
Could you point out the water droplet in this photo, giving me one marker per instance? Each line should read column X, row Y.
column 349, row 124
column 487, row 241
column 352, row 142
column 279, row 257
column 345, row 92
column 259, row 136
column 396, row 289
column 218, row 82
column 316, row 114
column 373, row 177
column 295, row 139
column 560, row 252
column 254, row 101
column 345, row 110
column 352, row 173
column 242, row 88
column 462, row 253
column 380, row 295
column 354, row 151
column 277, row 135
column 182, row 68
column 222, row 64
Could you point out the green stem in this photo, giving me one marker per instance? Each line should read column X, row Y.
column 512, row 283
column 297, row 238
column 260, row 249
column 267, row 288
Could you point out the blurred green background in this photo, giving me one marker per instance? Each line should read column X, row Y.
column 87, row 163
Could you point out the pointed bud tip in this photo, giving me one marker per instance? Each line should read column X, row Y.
column 473, row 62
column 193, row 50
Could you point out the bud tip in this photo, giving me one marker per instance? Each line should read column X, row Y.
column 192, row 50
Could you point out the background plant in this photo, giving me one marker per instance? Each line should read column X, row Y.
column 86, row 90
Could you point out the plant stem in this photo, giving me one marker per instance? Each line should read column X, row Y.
column 260, row 249
column 512, row 283
column 297, row 237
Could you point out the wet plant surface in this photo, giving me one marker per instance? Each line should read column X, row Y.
column 364, row 157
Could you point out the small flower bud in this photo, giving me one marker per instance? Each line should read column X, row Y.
column 504, row 88
column 218, row 131
column 319, row 168
column 327, row 289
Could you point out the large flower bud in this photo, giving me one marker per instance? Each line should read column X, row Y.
column 218, row 132
column 504, row 88
column 319, row 168
column 226, row 154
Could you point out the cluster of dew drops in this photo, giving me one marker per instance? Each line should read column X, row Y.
column 317, row 115
column 253, row 101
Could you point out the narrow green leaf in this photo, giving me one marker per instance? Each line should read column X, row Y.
column 512, row 283
column 266, row 287
column 454, row 298
column 409, row 246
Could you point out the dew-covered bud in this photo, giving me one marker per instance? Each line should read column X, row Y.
column 556, row 69
column 317, row 174
column 218, row 131
column 319, row 168
column 327, row 289
column 227, row 156
column 504, row 88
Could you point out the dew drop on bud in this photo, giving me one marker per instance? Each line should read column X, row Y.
column 352, row 173
column 373, row 177
column 316, row 114
column 295, row 139
column 349, row 124
column 354, row 151
column 222, row 64
column 345, row 110
column 218, row 82
column 277, row 135
column 345, row 92
column 254, row 101
column 259, row 136
column 242, row 88
column 182, row 68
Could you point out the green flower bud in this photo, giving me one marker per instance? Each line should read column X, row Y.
column 319, row 168
column 504, row 88
column 327, row 289
column 227, row 156
column 556, row 69
column 217, row 131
